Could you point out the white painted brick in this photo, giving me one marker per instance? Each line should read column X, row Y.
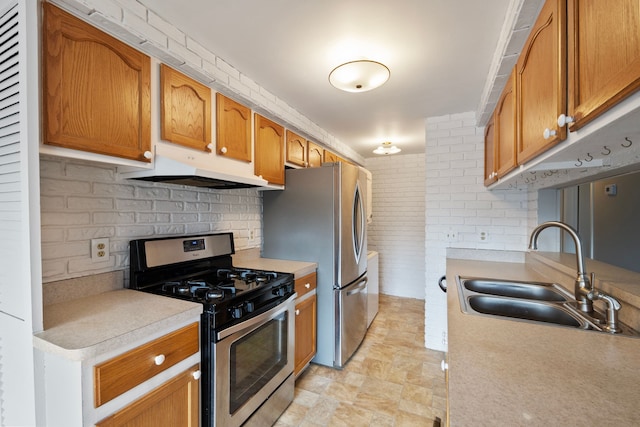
column 58, row 186
column 121, row 190
column 134, row 24
column 88, row 233
column 134, row 204
column 227, row 69
column 52, row 235
column 184, row 217
column 66, row 218
column 199, row 50
column 170, row 229
column 166, row 28
column 134, row 6
column 181, row 51
column 92, row 203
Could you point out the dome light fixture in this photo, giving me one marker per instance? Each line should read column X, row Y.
column 386, row 148
column 359, row 76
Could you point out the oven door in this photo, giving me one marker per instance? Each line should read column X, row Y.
column 252, row 359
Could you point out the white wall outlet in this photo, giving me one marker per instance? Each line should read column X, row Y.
column 452, row 235
column 252, row 235
column 483, row 236
column 100, row 249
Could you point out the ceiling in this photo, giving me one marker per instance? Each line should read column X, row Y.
column 438, row 51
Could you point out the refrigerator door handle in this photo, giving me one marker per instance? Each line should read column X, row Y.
column 361, row 286
column 358, row 223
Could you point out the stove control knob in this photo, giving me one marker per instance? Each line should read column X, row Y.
column 236, row 312
column 249, row 306
column 279, row 291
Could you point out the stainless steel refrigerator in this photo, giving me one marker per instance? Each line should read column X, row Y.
column 320, row 217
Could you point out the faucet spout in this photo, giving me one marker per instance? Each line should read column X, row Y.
column 582, row 284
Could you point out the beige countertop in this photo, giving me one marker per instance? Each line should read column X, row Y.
column 513, row 373
column 298, row 268
column 96, row 324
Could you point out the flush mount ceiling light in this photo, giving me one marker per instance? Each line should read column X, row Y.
column 359, row 76
column 386, row 148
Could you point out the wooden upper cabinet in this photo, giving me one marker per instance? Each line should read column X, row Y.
column 541, row 83
column 315, row 155
column 269, row 147
column 330, row 156
column 185, row 110
column 490, row 174
column 505, row 128
column 296, row 149
column 233, row 125
column 97, row 90
column 604, row 55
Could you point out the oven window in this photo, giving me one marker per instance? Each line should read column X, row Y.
column 255, row 359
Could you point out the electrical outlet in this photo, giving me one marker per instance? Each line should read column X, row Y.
column 100, row 249
column 483, row 236
column 252, row 235
column 452, row 235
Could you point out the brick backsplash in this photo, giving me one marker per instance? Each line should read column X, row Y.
column 82, row 200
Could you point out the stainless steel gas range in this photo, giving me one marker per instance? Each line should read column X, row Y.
column 247, row 324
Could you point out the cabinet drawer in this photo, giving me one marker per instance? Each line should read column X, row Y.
column 134, row 367
column 305, row 284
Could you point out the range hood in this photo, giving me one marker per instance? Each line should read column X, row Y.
column 171, row 171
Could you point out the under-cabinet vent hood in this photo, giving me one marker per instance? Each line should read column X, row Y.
column 171, row 171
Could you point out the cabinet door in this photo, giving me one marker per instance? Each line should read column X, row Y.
column 233, row 129
column 505, row 128
column 96, row 89
column 329, row 156
column 296, row 149
column 305, row 333
column 175, row 403
column 541, row 83
column 269, row 145
column 604, row 56
column 315, row 155
column 490, row 175
column 185, row 110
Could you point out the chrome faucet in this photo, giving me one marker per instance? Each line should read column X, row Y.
column 585, row 293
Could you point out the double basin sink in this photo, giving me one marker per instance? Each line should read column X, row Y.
column 526, row 301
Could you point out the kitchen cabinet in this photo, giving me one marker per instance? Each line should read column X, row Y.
column 306, row 312
column 604, row 56
column 233, row 129
column 174, row 403
column 296, row 150
column 490, row 173
column 315, row 155
column 500, row 135
column 96, row 90
column 330, row 156
column 185, row 110
column 541, row 89
column 269, row 147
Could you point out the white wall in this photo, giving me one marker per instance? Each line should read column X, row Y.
column 397, row 230
column 82, row 200
column 459, row 208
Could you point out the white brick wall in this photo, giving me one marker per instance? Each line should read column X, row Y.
column 459, row 208
column 397, row 230
column 81, row 201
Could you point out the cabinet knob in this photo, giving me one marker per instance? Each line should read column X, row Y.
column 307, row 285
column 148, row 155
column 564, row 120
column 211, row 146
column 297, row 312
column 196, row 374
column 223, row 150
column 159, row 359
column 444, row 366
column 548, row 133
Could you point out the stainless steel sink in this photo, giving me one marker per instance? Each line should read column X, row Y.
column 525, row 309
column 514, row 289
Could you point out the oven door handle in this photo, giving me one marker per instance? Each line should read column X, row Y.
column 250, row 324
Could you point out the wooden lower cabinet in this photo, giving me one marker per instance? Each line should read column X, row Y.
column 306, row 314
column 175, row 403
column 305, row 333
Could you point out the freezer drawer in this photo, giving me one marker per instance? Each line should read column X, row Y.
column 351, row 319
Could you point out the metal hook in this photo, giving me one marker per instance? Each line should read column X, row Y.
column 607, row 149
column 590, row 157
column 626, row 138
column 579, row 163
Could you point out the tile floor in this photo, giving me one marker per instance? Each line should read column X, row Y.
column 392, row 380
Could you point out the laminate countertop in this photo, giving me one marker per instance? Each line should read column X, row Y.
column 512, row 373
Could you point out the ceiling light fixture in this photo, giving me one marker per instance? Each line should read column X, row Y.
column 359, row 76
column 386, row 148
